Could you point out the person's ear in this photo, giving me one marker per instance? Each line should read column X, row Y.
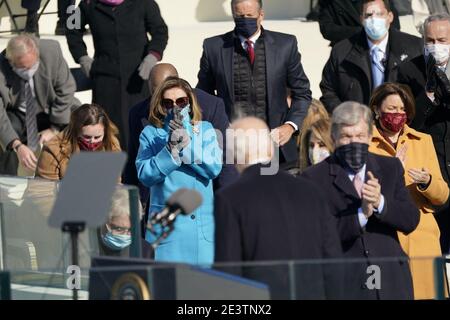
column 261, row 15
column 390, row 17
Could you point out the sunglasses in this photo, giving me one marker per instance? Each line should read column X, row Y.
column 180, row 102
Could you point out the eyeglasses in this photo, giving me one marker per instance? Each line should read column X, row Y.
column 119, row 230
column 180, row 102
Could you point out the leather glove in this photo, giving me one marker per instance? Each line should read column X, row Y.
column 442, row 93
column 146, row 66
column 86, row 64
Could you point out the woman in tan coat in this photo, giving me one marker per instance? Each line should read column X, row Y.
column 393, row 107
column 89, row 129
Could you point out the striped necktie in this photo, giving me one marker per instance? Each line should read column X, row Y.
column 30, row 116
column 377, row 68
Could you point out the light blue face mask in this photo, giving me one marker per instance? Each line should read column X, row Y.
column 25, row 73
column 116, row 241
column 185, row 113
column 375, row 28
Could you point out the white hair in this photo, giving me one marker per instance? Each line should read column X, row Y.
column 20, row 45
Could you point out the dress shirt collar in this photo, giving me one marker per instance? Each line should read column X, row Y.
column 382, row 45
column 253, row 39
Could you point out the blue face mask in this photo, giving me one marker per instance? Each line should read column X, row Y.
column 246, row 27
column 375, row 28
column 185, row 114
column 116, row 241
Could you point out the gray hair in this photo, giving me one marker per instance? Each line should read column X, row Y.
column 442, row 16
column 120, row 205
column 348, row 114
column 20, row 45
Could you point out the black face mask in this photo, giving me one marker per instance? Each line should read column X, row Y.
column 246, row 27
column 353, row 155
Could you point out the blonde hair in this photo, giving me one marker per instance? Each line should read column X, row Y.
column 158, row 112
column 322, row 130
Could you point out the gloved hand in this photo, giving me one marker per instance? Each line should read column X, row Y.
column 146, row 66
column 442, row 92
column 431, row 74
column 178, row 136
column 86, row 64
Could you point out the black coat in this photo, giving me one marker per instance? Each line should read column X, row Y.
column 431, row 119
column 120, row 36
column 434, row 120
column 339, row 20
column 379, row 237
column 347, row 74
column 213, row 111
column 283, row 71
column 275, row 218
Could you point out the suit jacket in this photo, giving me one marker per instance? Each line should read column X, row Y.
column 54, row 87
column 291, row 223
column 283, row 71
column 379, row 237
column 213, row 111
column 347, row 74
column 339, row 20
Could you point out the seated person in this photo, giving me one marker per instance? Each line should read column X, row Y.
column 89, row 130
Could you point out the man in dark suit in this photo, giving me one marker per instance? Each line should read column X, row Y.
column 290, row 222
column 432, row 96
column 359, row 64
column 258, row 66
column 367, row 195
column 213, row 111
column 340, row 19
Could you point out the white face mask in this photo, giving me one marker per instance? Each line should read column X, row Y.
column 25, row 73
column 317, row 155
column 439, row 51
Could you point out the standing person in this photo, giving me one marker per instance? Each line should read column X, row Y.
column 393, row 106
column 179, row 150
column 367, row 195
column 213, row 111
column 37, row 94
column 89, row 129
column 364, row 61
column 428, row 77
column 123, row 54
column 291, row 223
column 32, row 6
column 340, row 19
column 256, row 66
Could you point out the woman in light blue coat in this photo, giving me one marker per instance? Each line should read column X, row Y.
column 178, row 150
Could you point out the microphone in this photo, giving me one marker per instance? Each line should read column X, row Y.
column 183, row 201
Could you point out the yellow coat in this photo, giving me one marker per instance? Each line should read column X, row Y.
column 424, row 241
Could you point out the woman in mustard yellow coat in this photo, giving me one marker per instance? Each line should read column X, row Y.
column 393, row 107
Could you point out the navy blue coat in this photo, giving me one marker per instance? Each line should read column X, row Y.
column 284, row 71
column 378, row 239
column 213, row 111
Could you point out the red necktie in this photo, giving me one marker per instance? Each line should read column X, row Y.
column 250, row 51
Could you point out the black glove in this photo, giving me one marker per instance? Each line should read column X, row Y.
column 442, row 93
column 431, row 74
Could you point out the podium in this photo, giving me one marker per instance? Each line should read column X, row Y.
column 138, row 279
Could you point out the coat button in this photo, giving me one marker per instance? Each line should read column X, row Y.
column 366, row 252
column 193, row 217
